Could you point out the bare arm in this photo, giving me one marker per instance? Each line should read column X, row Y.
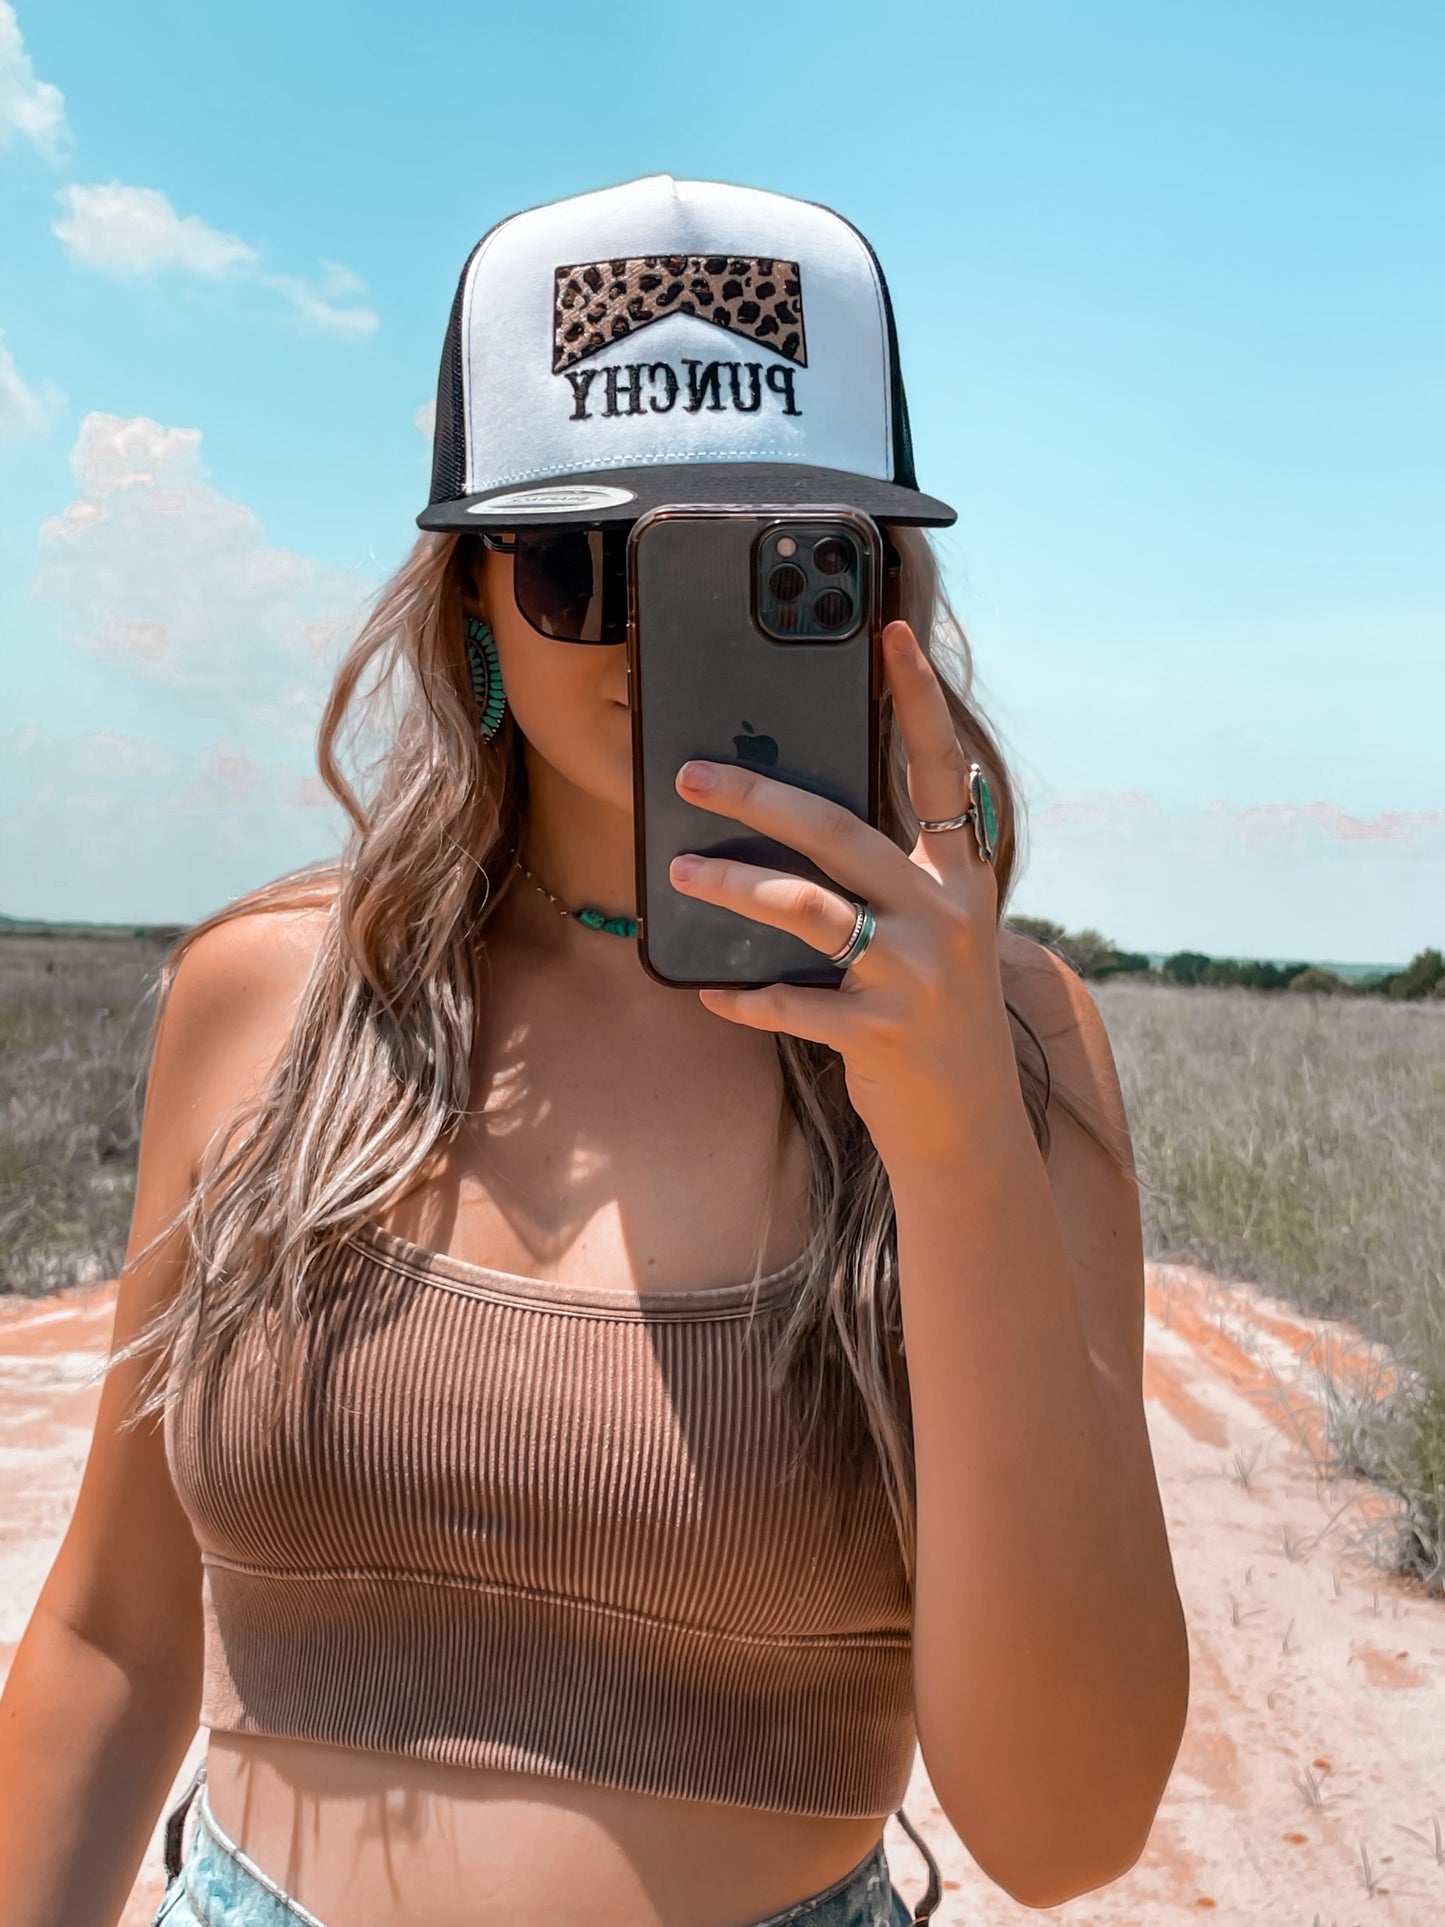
column 101, row 1699
column 1051, row 1658
column 103, row 1695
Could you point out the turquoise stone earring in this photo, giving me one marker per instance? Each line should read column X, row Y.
column 486, row 677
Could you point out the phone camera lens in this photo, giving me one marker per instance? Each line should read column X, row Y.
column 787, row 582
column 833, row 609
column 832, row 557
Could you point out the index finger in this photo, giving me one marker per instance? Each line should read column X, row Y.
column 847, row 849
column 937, row 763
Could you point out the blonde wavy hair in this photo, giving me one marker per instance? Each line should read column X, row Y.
column 374, row 1078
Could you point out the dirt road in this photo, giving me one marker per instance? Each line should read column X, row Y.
column 1310, row 1787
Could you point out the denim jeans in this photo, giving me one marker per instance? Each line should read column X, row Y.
column 217, row 1885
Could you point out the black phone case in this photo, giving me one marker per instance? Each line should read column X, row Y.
column 707, row 681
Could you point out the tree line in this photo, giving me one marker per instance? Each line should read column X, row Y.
column 1094, row 956
column 1091, row 954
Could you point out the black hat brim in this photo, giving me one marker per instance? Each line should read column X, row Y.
column 751, row 485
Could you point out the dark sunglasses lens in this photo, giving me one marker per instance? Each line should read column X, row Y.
column 572, row 583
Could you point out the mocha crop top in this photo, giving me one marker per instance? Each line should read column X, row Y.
column 507, row 1522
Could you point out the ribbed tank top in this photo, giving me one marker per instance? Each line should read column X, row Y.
column 508, row 1522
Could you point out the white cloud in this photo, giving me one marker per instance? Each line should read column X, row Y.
column 1283, row 880
column 124, row 231
column 338, row 280
column 169, row 592
column 115, row 827
column 127, row 232
column 102, row 770
column 23, row 411
column 1259, row 825
column 228, row 773
column 29, row 107
column 169, row 583
column 1093, row 807
column 320, row 312
column 426, row 418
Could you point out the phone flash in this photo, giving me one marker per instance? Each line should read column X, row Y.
column 787, row 546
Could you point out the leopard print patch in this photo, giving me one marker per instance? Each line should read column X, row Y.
column 599, row 303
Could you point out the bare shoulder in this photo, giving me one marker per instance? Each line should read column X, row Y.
column 255, row 957
column 228, row 1010
column 231, row 1007
column 1090, row 1167
column 1059, row 1007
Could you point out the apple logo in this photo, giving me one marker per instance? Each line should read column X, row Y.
column 755, row 749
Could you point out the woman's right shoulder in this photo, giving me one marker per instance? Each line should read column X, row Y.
column 229, row 1010
column 249, row 957
column 127, row 1576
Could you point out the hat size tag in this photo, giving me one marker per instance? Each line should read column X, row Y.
column 565, row 497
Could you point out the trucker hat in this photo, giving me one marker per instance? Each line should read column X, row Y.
column 670, row 341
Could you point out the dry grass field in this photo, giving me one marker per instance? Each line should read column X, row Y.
column 1293, row 1140
column 73, row 1018
column 1298, row 1141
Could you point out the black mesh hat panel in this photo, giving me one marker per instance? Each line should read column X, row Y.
column 449, row 438
column 902, row 434
column 903, row 472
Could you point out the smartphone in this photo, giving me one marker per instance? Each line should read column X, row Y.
column 753, row 639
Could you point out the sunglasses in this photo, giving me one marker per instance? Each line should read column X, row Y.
column 571, row 583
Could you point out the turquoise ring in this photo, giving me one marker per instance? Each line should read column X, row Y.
column 864, row 925
column 981, row 813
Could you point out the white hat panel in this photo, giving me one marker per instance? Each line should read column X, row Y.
column 639, row 401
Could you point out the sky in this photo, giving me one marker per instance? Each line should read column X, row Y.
column 1170, row 297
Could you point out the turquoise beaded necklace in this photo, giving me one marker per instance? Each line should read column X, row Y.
column 594, row 919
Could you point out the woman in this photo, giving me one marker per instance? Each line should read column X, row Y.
column 594, row 1432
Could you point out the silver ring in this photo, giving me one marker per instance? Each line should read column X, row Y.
column 859, row 938
column 946, row 822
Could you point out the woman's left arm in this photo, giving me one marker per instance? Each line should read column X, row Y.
column 1051, row 1668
